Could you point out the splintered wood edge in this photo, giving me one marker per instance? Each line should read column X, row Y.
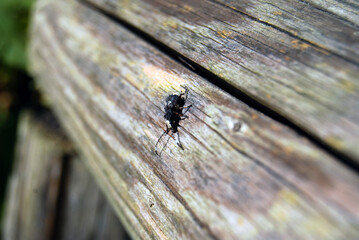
column 302, row 77
column 106, row 86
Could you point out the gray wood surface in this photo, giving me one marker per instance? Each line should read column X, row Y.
column 51, row 194
column 85, row 213
column 35, row 183
column 241, row 174
column 298, row 58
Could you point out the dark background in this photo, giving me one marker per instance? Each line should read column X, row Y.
column 16, row 86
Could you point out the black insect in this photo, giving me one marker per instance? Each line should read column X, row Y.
column 174, row 112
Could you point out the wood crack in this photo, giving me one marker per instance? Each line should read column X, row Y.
column 214, row 79
column 290, row 34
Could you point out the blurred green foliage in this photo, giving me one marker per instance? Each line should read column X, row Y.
column 14, row 15
column 16, row 91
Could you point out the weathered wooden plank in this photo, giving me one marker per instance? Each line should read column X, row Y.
column 85, row 213
column 241, row 173
column 348, row 10
column 294, row 57
column 321, row 24
column 34, row 186
column 51, row 195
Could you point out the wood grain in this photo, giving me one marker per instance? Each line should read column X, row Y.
column 34, row 186
column 298, row 58
column 51, row 195
column 85, row 212
column 241, row 173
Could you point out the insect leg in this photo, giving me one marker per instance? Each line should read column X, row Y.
column 179, row 141
column 164, row 145
column 167, row 131
column 164, row 132
column 186, row 109
column 181, row 115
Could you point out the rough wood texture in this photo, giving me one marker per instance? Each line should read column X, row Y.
column 36, row 191
column 35, row 183
column 241, row 175
column 85, row 213
column 299, row 58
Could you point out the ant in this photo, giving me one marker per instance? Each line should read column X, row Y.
column 173, row 115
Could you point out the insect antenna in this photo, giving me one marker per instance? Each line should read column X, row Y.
column 185, row 92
